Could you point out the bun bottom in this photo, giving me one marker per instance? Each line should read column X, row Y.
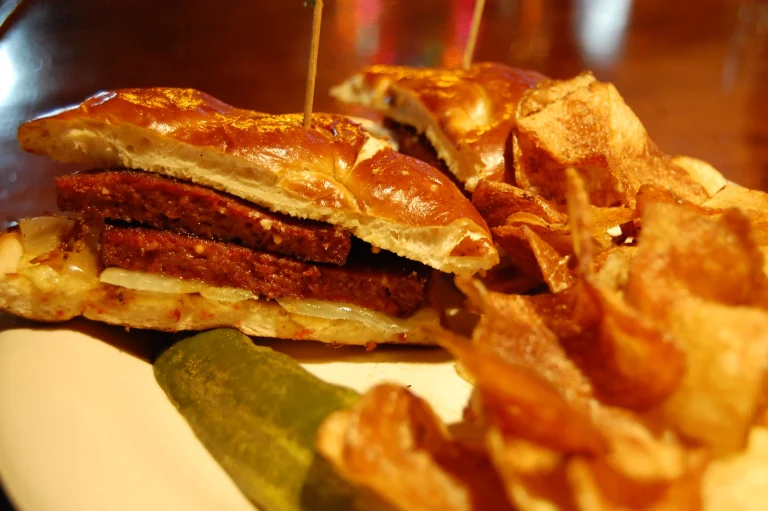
column 40, row 292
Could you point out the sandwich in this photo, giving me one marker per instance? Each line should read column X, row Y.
column 457, row 119
column 193, row 214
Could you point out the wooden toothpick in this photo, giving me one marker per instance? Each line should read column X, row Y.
column 309, row 94
column 474, row 29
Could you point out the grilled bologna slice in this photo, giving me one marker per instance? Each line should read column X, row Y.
column 394, row 287
column 186, row 208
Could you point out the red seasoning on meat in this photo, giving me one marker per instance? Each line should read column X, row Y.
column 187, row 208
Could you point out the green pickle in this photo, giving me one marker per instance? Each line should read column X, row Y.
column 257, row 411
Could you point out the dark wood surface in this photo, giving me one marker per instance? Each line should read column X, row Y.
column 695, row 71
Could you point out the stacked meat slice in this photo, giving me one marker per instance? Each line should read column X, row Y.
column 165, row 226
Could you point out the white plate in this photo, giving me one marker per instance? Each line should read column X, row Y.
column 84, row 426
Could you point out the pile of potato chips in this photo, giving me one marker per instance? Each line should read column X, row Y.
column 637, row 380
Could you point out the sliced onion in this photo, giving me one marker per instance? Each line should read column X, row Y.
column 43, row 277
column 83, row 262
column 11, row 252
column 347, row 312
column 143, row 281
column 227, row 294
column 42, row 234
column 315, row 308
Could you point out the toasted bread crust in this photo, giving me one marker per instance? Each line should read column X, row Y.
column 467, row 115
column 335, row 172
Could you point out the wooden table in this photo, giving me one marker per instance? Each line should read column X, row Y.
column 695, row 71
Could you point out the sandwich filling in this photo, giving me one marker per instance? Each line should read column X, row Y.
column 184, row 208
column 160, row 225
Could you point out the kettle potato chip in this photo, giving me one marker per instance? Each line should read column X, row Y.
column 636, row 380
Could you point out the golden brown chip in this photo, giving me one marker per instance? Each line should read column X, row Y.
column 568, row 313
column 603, row 219
column 636, row 451
column 497, row 201
column 629, row 360
column 760, row 233
column 529, row 373
column 549, row 92
column 640, row 365
column 739, row 482
column 612, row 267
column 392, row 443
column 535, row 235
column 534, row 476
column 735, row 196
column 727, row 354
column 702, row 173
column 700, row 278
column 597, row 487
column 520, row 403
column 534, row 256
column 517, row 249
column 599, row 136
column 651, row 194
column 580, row 221
column 512, row 328
column 582, row 344
column 541, row 250
column 557, row 235
column 682, row 252
column 753, row 203
column 689, row 272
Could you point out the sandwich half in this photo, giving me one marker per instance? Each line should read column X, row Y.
column 198, row 215
column 463, row 116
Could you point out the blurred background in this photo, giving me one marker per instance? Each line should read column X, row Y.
column 695, row 71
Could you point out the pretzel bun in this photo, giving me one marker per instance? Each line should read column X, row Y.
column 334, row 172
column 467, row 115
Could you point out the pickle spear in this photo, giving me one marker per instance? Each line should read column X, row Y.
column 257, row 412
